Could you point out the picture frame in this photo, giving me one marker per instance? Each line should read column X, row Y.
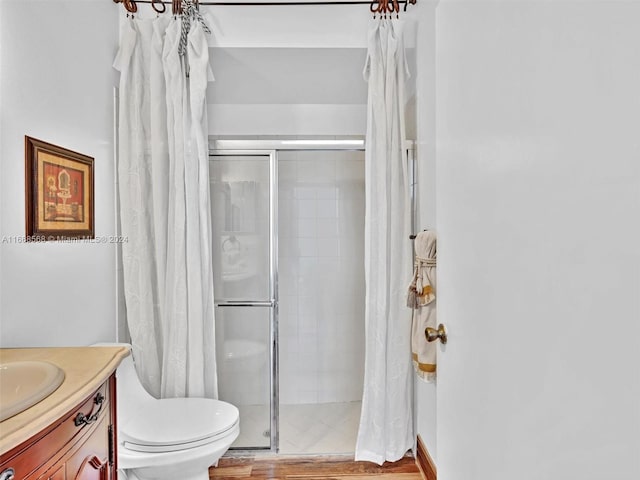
column 59, row 192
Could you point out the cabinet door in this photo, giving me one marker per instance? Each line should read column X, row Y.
column 91, row 460
column 59, row 474
column 93, row 468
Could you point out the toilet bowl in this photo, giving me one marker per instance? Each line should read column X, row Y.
column 169, row 438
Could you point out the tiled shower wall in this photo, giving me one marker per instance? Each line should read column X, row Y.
column 321, row 276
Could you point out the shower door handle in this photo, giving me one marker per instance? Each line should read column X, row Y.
column 245, row 303
column 432, row 334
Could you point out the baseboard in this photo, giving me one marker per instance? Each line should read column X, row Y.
column 425, row 462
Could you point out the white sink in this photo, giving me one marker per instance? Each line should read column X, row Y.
column 23, row 384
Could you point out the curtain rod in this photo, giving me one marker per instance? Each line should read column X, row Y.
column 269, row 3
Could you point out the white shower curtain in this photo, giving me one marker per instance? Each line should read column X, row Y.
column 164, row 207
column 386, row 425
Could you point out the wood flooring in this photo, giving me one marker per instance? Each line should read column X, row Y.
column 312, row 468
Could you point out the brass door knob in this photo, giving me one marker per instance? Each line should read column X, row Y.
column 432, row 334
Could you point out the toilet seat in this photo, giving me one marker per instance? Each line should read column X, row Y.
column 175, row 424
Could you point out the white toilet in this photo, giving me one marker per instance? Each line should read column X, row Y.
column 169, row 438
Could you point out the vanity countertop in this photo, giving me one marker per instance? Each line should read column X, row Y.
column 85, row 369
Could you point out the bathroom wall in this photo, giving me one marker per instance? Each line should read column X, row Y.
column 56, row 84
column 287, row 91
column 1, row 199
column 294, row 71
column 312, row 31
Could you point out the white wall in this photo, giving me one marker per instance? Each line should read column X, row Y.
column 1, row 197
column 302, row 27
column 311, row 26
column 426, row 191
column 287, row 92
column 311, row 30
column 57, row 86
column 287, row 120
column 538, row 121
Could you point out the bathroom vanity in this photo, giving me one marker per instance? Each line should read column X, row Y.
column 70, row 434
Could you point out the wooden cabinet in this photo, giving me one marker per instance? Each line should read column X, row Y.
column 78, row 446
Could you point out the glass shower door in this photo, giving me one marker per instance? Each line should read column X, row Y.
column 243, row 215
column 321, row 299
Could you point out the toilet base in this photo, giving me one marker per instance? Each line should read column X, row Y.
column 190, row 464
column 130, row 475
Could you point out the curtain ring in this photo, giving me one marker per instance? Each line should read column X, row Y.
column 375, row 7
column 396, row 8
column 155, row 3
column 130, row 6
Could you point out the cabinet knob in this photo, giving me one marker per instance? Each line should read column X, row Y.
column 8, row 474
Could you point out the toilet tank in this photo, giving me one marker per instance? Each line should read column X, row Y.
column 131, row 395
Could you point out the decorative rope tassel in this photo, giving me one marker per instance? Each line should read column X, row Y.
column 186, row 26
column 419, row 284
column 190, row 14
column 411, row 297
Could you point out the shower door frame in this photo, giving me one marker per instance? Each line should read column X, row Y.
column 258, row 148
column 272, row 303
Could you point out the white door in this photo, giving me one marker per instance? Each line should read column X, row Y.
column 538, row 197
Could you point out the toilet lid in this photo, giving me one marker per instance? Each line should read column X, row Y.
column 178, row 423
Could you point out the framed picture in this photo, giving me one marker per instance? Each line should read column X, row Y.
column 59, row 192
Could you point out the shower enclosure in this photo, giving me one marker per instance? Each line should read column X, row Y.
column 288, row 230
